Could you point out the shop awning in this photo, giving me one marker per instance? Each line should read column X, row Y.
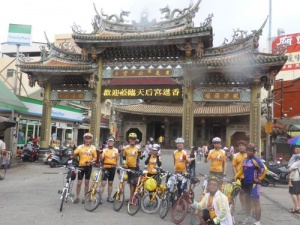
column 9, row 100
column 6, row 123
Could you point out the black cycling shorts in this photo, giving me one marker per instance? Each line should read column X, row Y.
column 86, row 172
column 110, row 174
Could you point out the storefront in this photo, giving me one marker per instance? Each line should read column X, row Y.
column 64, row 123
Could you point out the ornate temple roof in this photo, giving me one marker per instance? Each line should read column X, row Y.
column 177, row 110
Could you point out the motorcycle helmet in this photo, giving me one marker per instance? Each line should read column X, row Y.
column 179, row 141
column 216, row 140
column 132, row 135
column 88, row 135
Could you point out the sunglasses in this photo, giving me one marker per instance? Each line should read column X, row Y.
column 132, row 138
column 88, row 138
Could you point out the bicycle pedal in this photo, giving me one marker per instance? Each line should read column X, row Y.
column 59, row 192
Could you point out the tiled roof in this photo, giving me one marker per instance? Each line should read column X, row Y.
column 176, row 110
column 56, row 65
column 108, row 37
column 143, row 81
column 238, row 59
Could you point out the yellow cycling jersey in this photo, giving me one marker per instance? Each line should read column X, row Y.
column 110, row 157
column 180, row 161
column 131, row 153
column 85, row 153
column 217, row 158
column 152, row 165
column 238, row 160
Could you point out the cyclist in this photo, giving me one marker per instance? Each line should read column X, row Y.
column 237, row 163
column 131, row 155
column 254, row 171
column 218, row 159
column 181, row 158
column 153, row 161
column 110, row 159
column 214, row 205
column 87, row 155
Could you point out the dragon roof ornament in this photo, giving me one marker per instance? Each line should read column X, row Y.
column 173, row 19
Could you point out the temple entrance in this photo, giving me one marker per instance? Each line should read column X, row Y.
column 137, row 131
column 238, row 136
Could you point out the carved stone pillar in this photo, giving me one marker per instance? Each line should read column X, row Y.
column 188, row 112
column 202, row 131
column 255, row 122
column 96, row 103
column 46, row 117
column 167, row 133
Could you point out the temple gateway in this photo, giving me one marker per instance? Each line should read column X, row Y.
column 187, row 87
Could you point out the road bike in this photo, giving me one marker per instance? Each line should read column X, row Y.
column 92, row 197
column 134, row 204
column 119, row 196
column 66, row 192
column 152, row 200
column 180, row 207
column 170, row 195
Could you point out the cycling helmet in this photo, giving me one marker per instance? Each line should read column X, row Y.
column 242, row 142
column 155, row 147
column 213, row 178
column 132, row 135
column 251, row 146
column 179, row 140
column 111, row 138
column 216, row 140
column 88, row 135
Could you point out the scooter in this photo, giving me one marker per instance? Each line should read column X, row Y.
column 62, row 157
column 277, row 173
column 30, row 153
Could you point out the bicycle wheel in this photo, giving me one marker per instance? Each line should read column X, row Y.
column 134, row 205
column 164, row 206
column 63, row 198
column 118, row 200
column 150, row 205
column 194, row 217
column 179, row 211
column 92, row 200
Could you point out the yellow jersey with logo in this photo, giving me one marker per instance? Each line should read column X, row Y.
column 152, row 164
column 131, row 154
column 110, row 157
column 217, row 158
column 180, row 161
column 238, row 160
column 85, row 153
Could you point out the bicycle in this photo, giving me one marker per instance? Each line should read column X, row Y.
column 134, row 204
column 92, row 197
column 119, row 195
column 180, row 208
column 67, row 189
column 152, row 200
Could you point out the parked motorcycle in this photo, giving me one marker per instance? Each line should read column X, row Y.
column 47, row 158
column 277, row 173
column 62, row 156
column 30, row 153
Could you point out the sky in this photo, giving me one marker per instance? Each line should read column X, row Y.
column 57, row 16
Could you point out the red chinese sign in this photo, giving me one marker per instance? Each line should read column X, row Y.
column 293, row 50
column 143, row 73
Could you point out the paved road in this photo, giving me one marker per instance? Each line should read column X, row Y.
column 28, row 196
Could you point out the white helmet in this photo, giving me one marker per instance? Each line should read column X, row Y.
column 216, row 140
column 156, row 147
column 179, row 140
column 151, row 139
